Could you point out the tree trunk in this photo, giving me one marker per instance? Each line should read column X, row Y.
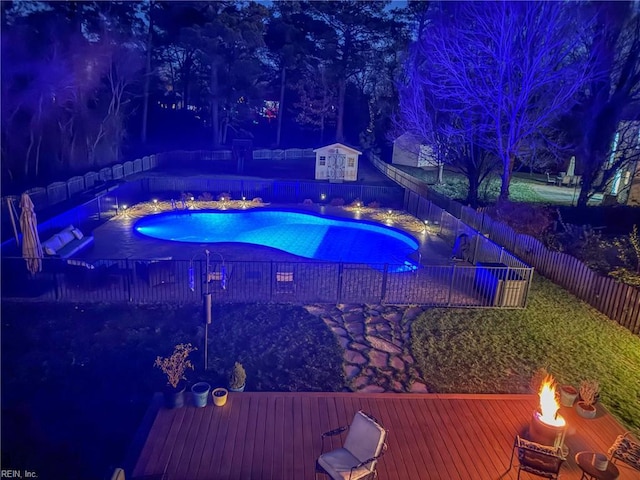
column 472, row 195
column 342, row 89
column 283, row 80
column 440, row 173
column 506, row 177
column 147, row 81
column 37, row 160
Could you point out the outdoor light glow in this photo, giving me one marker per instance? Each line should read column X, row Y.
column 549, row 404
column 155, row 200
column 322, row 196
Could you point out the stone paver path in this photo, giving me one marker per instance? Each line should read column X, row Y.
column 376, row 343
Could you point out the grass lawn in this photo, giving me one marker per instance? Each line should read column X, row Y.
column 77, row 379
column 495, row 351
column 455, row 186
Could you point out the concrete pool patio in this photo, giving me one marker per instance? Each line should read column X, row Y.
column 116, row 238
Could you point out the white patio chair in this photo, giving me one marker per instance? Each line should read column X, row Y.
column 364, row 445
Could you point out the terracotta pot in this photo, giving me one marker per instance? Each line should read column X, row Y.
column 568, row 395
column 585, row 411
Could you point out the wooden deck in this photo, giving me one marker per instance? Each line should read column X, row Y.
column 277, row 436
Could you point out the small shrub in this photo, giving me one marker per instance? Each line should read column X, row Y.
column 205, row 197
column 175, row 365
column 307, row 201
column 337, row 202
column 589, row 390
column 224, row 197
column 256, row 200
column 238, row 376
column 374, row 204
column 356, row 203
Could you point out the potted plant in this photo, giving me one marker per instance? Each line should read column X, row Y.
column 238, row 378
column 174, row 367
column 219, row 396
column 568, row 395
column 589, row 390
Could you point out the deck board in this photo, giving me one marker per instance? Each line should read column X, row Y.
column 277, row 436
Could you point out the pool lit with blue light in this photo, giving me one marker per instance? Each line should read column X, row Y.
column 303, row 234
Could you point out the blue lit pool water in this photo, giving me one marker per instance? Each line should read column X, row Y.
column 302, row 234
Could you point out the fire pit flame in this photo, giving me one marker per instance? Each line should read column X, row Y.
column 549, row 405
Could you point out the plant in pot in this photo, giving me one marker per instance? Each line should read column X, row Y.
column 568, row 395
column 589, row 390
column 174, row 368
column 238, row 378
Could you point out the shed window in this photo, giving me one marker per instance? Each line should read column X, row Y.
column 323, row 160
column 351, row 162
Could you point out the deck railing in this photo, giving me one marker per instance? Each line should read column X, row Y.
column 182, row 281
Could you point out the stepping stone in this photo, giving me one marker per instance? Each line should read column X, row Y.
column 418, row 387
column 339, row 331
column 360, row 382
column 358, row 346
column 354, row 357
column 397, row 363
column 373, row 389
column 384, row 345
column 355, row 329
column 394, row 317
column 343, row 342
column 408, row 359
column 412, row 313
column 350, row 307
column 396, row 386
column 316, row 310
column 378, row 359
column 353, row 317
column 351, row 371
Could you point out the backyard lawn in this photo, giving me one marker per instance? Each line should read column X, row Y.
column 77, row 378
column 499, row 351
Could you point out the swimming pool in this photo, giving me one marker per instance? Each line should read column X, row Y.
column 298, row 233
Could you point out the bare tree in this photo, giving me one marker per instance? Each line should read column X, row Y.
column 513, row 66
column 602, row 123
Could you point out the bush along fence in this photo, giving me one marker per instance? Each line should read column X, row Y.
column 620, row 302
column 180, row 281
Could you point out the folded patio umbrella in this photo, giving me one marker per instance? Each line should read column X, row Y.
column 31, row 247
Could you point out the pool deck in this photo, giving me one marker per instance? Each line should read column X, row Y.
column 116, row 239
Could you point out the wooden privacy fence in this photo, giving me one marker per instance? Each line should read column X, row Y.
column 183, row 281
column 620, row 302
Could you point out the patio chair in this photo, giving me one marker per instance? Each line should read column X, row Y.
column 363, row 446
column 550, row 180
column 540, row 460
column 156, row 272
column 627, row 450
column 83, row 275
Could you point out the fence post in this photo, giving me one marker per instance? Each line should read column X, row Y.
column 475, row 250
column 339, row 292
column 128, row 278
column 501, row 254
column 453, row 276
column 383, row 292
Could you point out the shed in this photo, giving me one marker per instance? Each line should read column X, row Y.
column 337, row 163
column 408, row 150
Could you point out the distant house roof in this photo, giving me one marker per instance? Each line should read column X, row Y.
column 336, row 145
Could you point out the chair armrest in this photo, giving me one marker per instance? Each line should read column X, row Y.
column 365, row 462
column 337, row 431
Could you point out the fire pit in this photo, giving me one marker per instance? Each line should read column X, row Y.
column 547, row 426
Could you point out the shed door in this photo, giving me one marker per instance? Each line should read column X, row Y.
column 335, row 165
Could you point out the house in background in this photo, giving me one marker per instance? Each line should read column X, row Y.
column 407, row 150
column 337, row 163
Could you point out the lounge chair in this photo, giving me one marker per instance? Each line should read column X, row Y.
column 364, row 445
column 627, row 450
column 540, row 460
